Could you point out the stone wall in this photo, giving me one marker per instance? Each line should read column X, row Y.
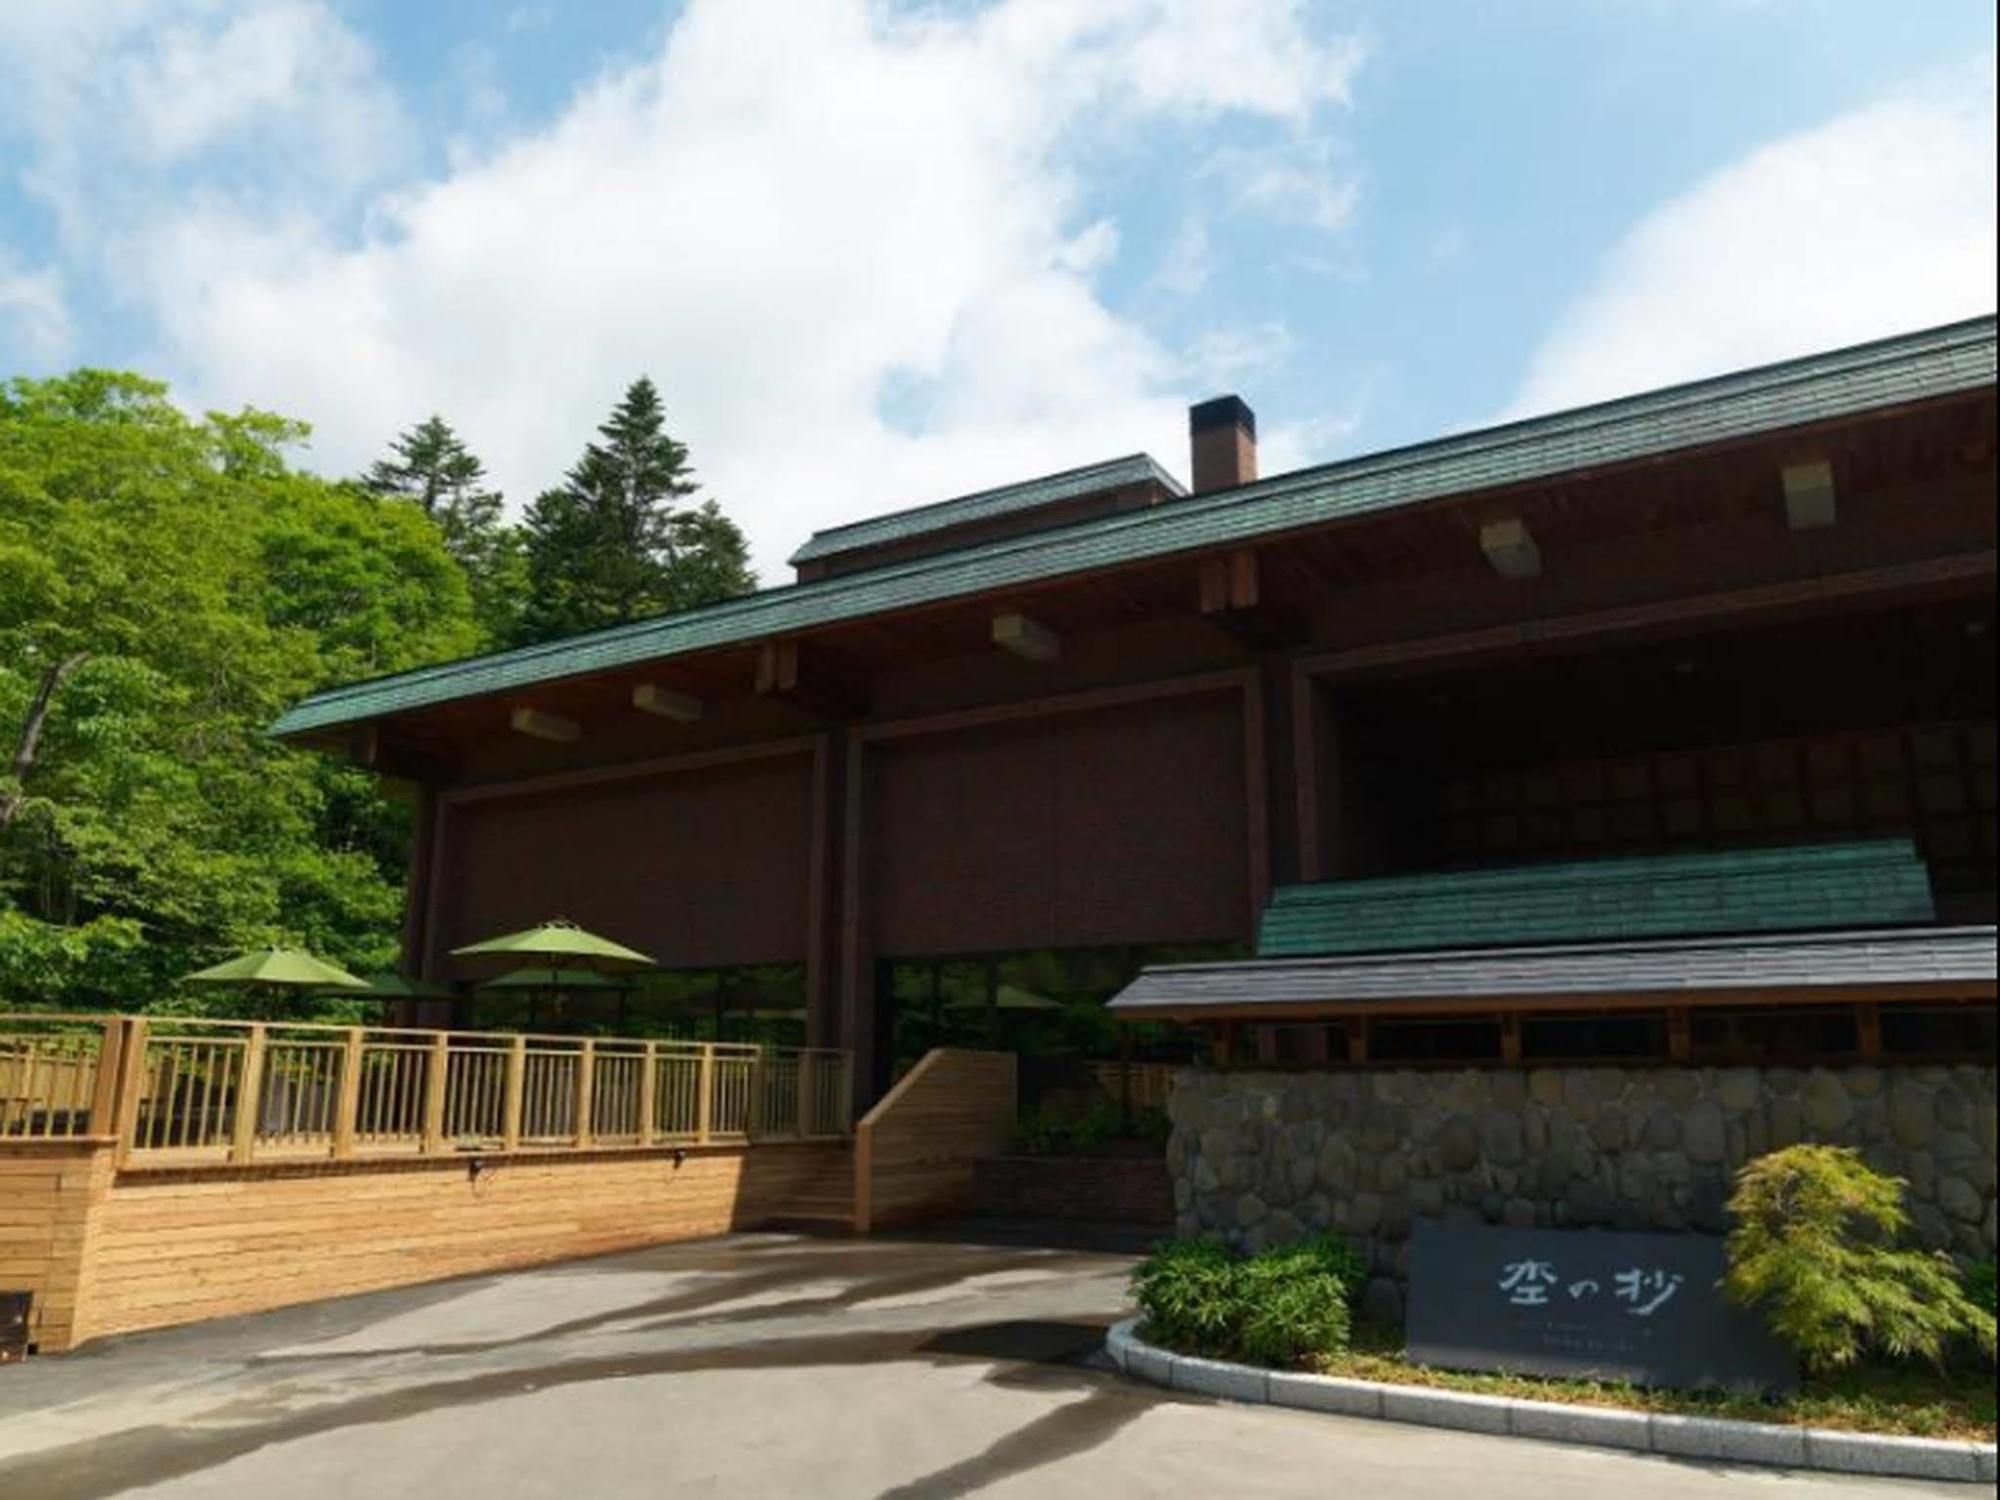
column 1259, row 1157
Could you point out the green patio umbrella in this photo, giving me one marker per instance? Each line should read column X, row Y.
column 1009, row 997
column 281, row 968
column 400, row 987
column 561, row 943
column 554, row 979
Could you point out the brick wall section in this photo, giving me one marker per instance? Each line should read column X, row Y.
column 51, row 1194
column 1119, row 1190
column 155, row 1248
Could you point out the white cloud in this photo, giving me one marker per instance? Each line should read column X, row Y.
column 1224, row 355
column 1879, row 221
column 789, row 209
column 33, row 312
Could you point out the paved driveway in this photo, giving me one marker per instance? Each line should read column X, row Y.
column 752, row 1365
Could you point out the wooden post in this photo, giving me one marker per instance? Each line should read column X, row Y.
column 1868, row 1030
column 131, row 1085
column 1357, row 1040
column 249, row 1095
column 649, row 1085
column 104, row 1090
column 517, row 1075
column 1680, row 1034
column 349, row 1105
column 586, row 1090
column 808, row 1095
column 1510, row 1036
column 704, row 1094
column 437, row 1073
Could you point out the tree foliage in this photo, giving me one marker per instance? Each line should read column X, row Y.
column 431, row 465
column 613, row 542
column 167, row 587
column 1814, row 1249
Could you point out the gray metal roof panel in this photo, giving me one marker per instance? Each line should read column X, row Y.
column 1667, row 968
column 984, row 505
column 1914, row 367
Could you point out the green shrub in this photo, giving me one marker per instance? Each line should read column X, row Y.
column 1979, row 1284
column 1187, row 1290
column 1814, row 1250
column 1289, row 1310
column 1280, row 1307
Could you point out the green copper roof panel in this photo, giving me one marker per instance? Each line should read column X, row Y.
column 1876, row 884
column 1914, row 367
column 1007, row 500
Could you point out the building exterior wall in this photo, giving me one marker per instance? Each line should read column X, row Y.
column 1263, row 1157
column 697, row 867
column 1072, row 831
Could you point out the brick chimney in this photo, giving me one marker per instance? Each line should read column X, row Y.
column 1223, row 435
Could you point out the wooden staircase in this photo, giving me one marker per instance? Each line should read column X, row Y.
column 824, row 1204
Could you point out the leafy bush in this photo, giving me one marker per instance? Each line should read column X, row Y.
column 1280, row 1307
column 1814, row 1250
column 1979, row 1285
column 1188, row 1292
column 1290, row 1310
column 1045, row 1131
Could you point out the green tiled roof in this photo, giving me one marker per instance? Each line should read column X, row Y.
column 984, row 505
column 1914, row 367
column 1881, row 883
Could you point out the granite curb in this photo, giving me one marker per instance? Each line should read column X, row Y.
column 1710, row 1438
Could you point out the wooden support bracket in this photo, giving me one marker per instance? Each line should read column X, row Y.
column 785, row 674
column 1230, row 592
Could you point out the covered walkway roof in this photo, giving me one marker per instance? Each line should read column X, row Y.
column 1947, row 963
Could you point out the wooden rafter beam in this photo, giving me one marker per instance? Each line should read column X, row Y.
column 1026, row 638
column 1230, row 592
column 539, row 724
column 1511, row 548
column 787, row 675
column 665, row 703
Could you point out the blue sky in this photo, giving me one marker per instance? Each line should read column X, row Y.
column 880, row 253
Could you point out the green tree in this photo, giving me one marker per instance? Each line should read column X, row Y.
column 167, row 587
column 431, row 465
column 1814, row 1250
column 612, row 543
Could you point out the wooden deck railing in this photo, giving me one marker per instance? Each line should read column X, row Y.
column 182, row 1091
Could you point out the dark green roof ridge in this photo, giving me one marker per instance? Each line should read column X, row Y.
column 1911, row 367
column 983, row 505
column 1797, row 888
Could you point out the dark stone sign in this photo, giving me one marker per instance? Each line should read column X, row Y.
column 1595, row 1304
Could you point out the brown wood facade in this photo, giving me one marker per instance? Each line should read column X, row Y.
column 1686, row 670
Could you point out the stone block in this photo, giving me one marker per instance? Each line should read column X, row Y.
column 1907, row 1458
column 1600, row 1426
column 1349, row 1398
column 1213, row 1377
column 1455, row 1409
column 1826, row 1104
column 1731, row 1442
column 1703, row 1133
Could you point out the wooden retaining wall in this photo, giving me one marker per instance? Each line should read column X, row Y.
column 107, row 1253
column 914, row 1151
column 50, row 1195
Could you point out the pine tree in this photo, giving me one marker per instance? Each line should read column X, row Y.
column 431, row 465
column 612, row 545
